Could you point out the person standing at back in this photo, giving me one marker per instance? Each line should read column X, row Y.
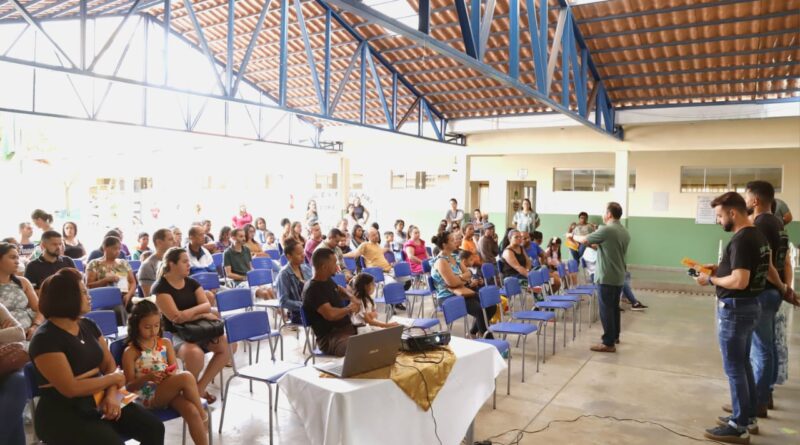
column 612, row 240
column 740, row 276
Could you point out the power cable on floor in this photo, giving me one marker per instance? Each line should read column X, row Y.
column 521, row 432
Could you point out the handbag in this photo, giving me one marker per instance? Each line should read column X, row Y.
column 13, row 357
column 200, row 331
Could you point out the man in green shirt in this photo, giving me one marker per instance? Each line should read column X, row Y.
column 612, row 240
column 236, row 259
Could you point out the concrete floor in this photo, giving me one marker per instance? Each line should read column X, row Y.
column 667, row 370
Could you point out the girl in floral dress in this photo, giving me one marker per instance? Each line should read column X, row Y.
column 146, row 361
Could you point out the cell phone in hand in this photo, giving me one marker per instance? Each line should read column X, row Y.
column 693, row 273
column 171, row 368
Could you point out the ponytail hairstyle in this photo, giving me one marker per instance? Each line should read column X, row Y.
column 440, row 239
column 360, row 283
column 140, row 310
column 41, row 214
column 5, row 248
column 172, row 256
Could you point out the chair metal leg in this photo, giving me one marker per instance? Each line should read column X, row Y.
column 564, row 320
column 524, row 342
column 277, row 392
column 183, row 434
column 210, row 432
column 508, row 378
column 494, row 397
column 224, row 404
column 269, row 411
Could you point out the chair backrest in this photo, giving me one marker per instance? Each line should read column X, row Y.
column 233, row 299
column 489, row 273
column 534, row 278
column 431, row 286
column 362, row 262
column 512, row 286
column 562, row 272
column 489, row 296
column 242, row 326
column 106, row 320
column 79, row 265
column 273, row 253
column 350, row 264
column 105, row 297
column 402, row 269
column 340, row 279
column 284, row 261
column 545, row 276
column 453, row 308
column 429, row 251
column 262, row 262
column 304, row 318
column 135, row 265
column 389, row 257
column 376, row 273
column 259, row 277
column 219, row 259
column 426, row 265
column 535, row 263
column 394, row 293
column 117, row 348
column 30, row 380
column 209, row 280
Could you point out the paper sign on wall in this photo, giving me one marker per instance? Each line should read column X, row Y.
column 705, row 214
column 661, row 201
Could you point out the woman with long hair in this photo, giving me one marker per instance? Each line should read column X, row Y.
column 72, row 246
column 16, row 293
column 366, row 319
column 111, row 270
column 357, row 237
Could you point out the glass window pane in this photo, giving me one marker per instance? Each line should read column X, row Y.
column 740, row 177
column 717, row 180
column 584, row 180
column 562, row 180
column 603, row 180
column 398, row 180
column 773, row 175
column 692, row 179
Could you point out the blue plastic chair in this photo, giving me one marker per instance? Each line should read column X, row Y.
column 350, row 264
column 106, row 321
column 402, row 271
column 262, row 262
column 209, row 280
column 244, row 326
column 455, row 308
column 273, row 253
column 105, row 297
column 117, row 348
column 79, row 265
column 538, row 281
column 340, row 280
column 135, row 265
column 541, row 318
column 393, row 293
column 241, row 299
column 219, row 263
column 263, row 277
column 489, row 273
column 490, row 297
column 310, row 344
column 283, row 260
column 380, row 280
column 389, row 257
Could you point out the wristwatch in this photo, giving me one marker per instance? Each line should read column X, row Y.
column 710, row 283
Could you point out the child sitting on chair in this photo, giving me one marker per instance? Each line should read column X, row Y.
column 149, row 365
column 366, row 319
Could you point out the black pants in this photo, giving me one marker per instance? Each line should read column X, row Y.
column 60, row 425
column 609, row 313
column 474, row 309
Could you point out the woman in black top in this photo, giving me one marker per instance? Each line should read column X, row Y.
column 74, row 370
column 516, row 262
column 181, row 299
column 72, row 246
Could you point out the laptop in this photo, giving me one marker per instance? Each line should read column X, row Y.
column 366, row 352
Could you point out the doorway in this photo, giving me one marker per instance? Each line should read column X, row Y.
column 478, row 197
column 516, row 192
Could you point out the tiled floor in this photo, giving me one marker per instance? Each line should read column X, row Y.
column 667, row 371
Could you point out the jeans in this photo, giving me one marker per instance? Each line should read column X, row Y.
column 627, row 292
column 764, row 350
column 13, row 396
column 737, row 321
column 609, row 313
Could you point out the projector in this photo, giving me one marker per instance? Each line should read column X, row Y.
column 418, row 343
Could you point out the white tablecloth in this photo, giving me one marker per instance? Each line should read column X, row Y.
column 355, row 411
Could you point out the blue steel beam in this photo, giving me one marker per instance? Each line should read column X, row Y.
column 327, row 82
column 757, row 66
column 475, row 23
column 466, row 28
column 628, row 15
column 204, row 45
column 284, row 34
column 513, row 39
column 167, row 27
column 251, row 46
column 538, row 45
column 436, row 129
column 312, row 66
column 16, row 39
column 379, row 90
column 35, row 23
column 424, row 16
column 345, row 78
column 465, row 60
column 113, row 36
column 363, row 99
column 486, row 28
column 229, row 48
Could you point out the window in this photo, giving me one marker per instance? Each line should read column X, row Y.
column 356, row 181
column 418, row 180
column 326, row 182
column 140, row 184
column 724, row 179
column 582, row 180
column 398, row 180
column 632, row 181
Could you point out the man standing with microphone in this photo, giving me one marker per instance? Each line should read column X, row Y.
column 739, row 278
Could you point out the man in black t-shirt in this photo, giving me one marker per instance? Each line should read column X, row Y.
column 760, row 195
column 50, row 261
column 740, row 276
column 323, row 305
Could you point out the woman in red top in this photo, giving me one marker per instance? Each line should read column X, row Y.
column 415, row 250
column 242, row 218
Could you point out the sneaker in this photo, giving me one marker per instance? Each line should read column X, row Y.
column 621, row 310
column 603, row 348
column 638, row 306
column 400, row 307
column 761, row 410
column 728, row 434
column 726, row 420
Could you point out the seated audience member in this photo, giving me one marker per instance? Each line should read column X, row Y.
column 21, row 265
column 366, row 319
column 207, row 229
column 297, row 233
column 261, row 231
column 464, row 258
column 344, row 245
column 314, row 240
column 400, row 236
column 98, row 253
column 286, row 232
column 124, row 251
column 148, row 271
column 272, row 243
column 74, row 368
column 516, row 262
column 26, row 246
column 454, row 214
column 16, row 293
column 388, row 240
column 333, row 241
column 238, row 261
column 291, row 279
column 200, row 259
column 449, row 281
column 42, row 220
column 255, row 248
column 416, row 253
column 242, row 219
column 478, row 221
column 468, row 245
column 534, row 247
column 181, row 299
column 553, row 256
column 224, row 242
column 312, row 216
column 372, row 252
column 356, row 237
column 322, row 303
column 72, row 246
column 142, row 246
column 344, row 228
column 112, row 271
column 487, row 245
column 13, row 387
column 50, row 262
column 145, row 363
column 177, row 235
